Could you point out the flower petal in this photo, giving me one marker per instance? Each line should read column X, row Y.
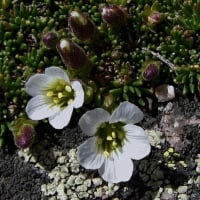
column 126, row 112
column 56, row 72
column 137, row 146
column 116, row 168
column 38, row 108
column 91, row 120
column 88, row 155
column 62, row 118
column 79, row 98
column 36, row 84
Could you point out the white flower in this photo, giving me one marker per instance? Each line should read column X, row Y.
column 114, row 141
column 53, row 97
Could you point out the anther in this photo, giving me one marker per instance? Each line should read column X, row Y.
column 114, row 144
column 60, row 95
column 106, row 153
column 70, row 101
column 56, row 100
column 109, row 138
column 113, row 134
column 68, row 88
column 49, row 93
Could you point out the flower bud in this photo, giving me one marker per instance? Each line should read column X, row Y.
column 50, row 39
column 5, row 4
column 155, row 18
column 151, row 16
column 113, row 15
column 72, row 55
column 151, row 71
column 81, row 26
column 23, row 132
column 25, row 136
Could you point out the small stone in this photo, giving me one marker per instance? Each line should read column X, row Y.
column 33, row 159
column 87, row 183
column 44, row 188
column 61, row 160
column 69, row 192
column 182, row 189
column 75, row 168
column 115, row 188
column 98, row 192
column 61, row 189
column 81, row 188
column 190, row 181
column 51, row 189
column 155, row 138
column 78, row 180
column 165, row 93
column 71, row 180
column 169, row 190
column 82, row 195
column 97, row 181
column 197, row 180
column 183, row 196
column 39, row 165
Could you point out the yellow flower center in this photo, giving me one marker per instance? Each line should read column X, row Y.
column 110, row 137
column 60, row 93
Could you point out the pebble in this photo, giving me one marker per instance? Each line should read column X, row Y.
column 182, row 189
column 155, row 138
column 67, row 182
column 97, row 181
column 182, row 197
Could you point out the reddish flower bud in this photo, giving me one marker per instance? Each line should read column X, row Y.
column 72, row 55
column 50, row 39
column 114, row 15
column 24, row 137
column 151, row 71
column 81, row 26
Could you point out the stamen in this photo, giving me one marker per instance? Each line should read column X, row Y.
column 60, row 95
column 120, row 135
column 49, row 93
column 68, row 88
column 56, row 100
column 109, row 138
column 113, row 134
column 70, row 101
column 114, row 144
column 106, row 153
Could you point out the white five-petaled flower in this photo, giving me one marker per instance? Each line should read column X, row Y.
column 53, row 96
column 114, row 141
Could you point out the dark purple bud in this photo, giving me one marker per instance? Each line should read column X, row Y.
column 72, row 55
column 50, row 39
column 114, row 15
column 150, row 72
column 81, row 26
column 24, row 137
